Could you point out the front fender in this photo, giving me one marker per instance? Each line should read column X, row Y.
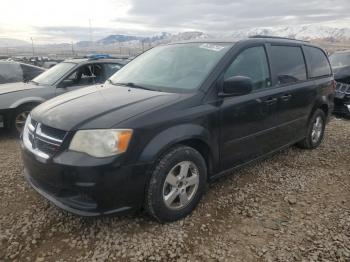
column 174, row 135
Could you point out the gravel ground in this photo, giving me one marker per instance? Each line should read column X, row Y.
column 294, row 206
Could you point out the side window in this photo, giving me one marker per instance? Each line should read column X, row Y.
column 317, row 61
column 252, row 62
column 288, row 63
column 110, row 69
column 85, row 75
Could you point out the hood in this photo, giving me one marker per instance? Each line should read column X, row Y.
column 98, row 107
column 15, row 87
column 342, row 74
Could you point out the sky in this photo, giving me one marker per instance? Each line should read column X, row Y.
column 53, row 21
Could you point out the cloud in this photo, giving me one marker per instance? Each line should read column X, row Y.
column 228, row 15
column 69, row 21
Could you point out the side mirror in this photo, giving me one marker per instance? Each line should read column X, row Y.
column 237, row 86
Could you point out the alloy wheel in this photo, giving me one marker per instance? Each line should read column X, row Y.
column 180, row 185
column 317, row 130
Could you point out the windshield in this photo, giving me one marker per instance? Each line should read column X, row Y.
column 52, row 75
column 177, row 67
column 340, row 59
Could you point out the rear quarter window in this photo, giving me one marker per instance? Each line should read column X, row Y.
column 288, row 64
column 317, row 62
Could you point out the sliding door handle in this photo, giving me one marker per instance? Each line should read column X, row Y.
column 271, row 101
column 286, row 97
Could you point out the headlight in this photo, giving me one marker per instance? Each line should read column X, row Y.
column 101, row 142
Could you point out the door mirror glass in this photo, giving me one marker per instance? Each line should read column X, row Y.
column 237, row 86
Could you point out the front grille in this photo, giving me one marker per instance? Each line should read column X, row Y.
column 342, row 88
column 47, row 148
column 42, row 140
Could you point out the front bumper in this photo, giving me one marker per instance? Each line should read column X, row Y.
column 2, row 121
column 86, row 186
column 341, row 107
column 4, row 116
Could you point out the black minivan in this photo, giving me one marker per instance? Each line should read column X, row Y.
column 173, row 119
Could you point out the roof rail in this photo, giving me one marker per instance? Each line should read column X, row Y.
column 277, row 37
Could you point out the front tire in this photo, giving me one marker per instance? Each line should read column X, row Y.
column 177, row 184
column 315, row 131
column 19, row 117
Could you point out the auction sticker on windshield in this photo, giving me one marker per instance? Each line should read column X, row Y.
column 211, row 47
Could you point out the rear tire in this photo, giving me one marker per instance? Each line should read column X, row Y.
column 176, row 185
column 315, row 131
column 18, row 118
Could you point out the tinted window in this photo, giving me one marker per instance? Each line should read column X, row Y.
column 288, row 63
column 252, row 63
column 10, row 73
column 317, row 61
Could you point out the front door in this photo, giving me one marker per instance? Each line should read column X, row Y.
column 248, row 121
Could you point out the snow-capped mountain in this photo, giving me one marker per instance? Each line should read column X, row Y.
column 154, row 39
column 306, row 32
column 158, row 38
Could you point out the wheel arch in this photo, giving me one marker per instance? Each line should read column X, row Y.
column 26, row 101
column 191, row 135
column 320, row 104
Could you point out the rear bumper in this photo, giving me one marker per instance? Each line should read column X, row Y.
column 89, row 187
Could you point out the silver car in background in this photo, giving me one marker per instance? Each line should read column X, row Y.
column 18, row 99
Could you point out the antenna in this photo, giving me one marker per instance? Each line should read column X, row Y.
column 32, row 45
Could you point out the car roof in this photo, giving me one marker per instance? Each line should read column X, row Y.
column 101, row 60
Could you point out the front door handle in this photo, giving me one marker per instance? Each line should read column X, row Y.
column 271, row 101
column 286, row 97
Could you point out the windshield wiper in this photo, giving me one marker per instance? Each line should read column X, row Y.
column 133, row 85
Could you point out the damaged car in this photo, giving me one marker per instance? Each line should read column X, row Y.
column 173, row 119
column 341, row 67
column 18, row 99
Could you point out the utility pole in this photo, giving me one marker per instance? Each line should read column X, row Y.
column 90, row 32
column 32, row 45
column 72, row 48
